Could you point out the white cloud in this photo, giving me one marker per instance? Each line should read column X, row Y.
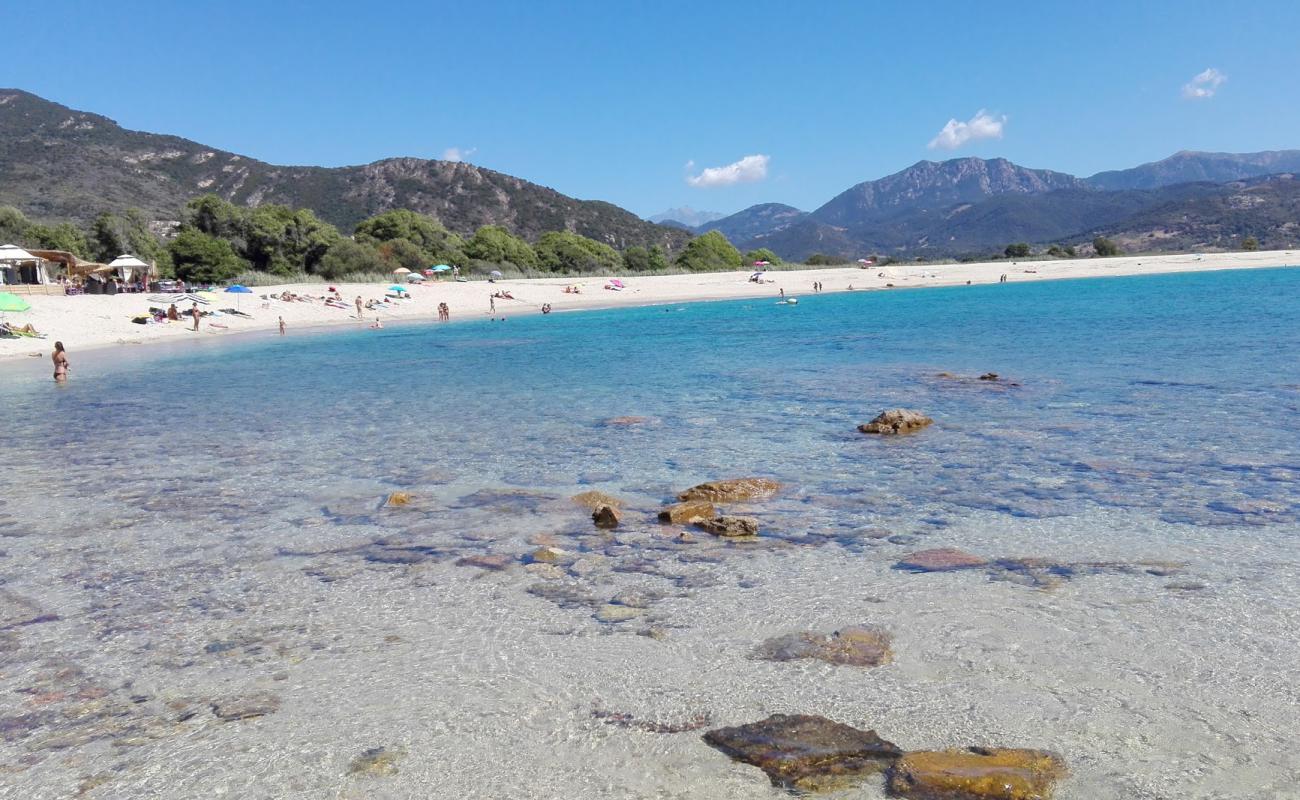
column 1204, row 85
column 457, row 154
column 981, row 126
column 746, row 170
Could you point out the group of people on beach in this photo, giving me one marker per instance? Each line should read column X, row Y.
column 817, row 286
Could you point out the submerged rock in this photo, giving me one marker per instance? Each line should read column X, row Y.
column 397, row 500
column 551, row 555
column 376, row 762
column 896, row 421
column 805, row 752
column 627, row 421
column 857, row 645
column 735, row 490
column 730, row 527
column 940, row 559
column 592, row 500
column 246, row 707
column 612, row 613
column 977, row 774
column 606, row 517
column 489, row 561
column 687, row 512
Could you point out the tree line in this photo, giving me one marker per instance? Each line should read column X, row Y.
column 218, row 240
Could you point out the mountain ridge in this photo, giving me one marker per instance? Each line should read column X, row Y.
column 62, row 164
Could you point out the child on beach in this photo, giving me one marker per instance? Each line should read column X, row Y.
column 281, row 326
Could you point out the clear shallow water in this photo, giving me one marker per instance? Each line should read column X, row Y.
column 205, row 523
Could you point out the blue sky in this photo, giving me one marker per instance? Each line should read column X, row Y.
column 612, row 100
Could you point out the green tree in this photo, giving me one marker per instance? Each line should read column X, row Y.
column 64, row 236
column 281, row 240
column 496, row 245
column 13, row 225
column 710, row 252
column 402, row 253
column 350, row 258
column 822, row 260
column 1017, row 250
column 762, row 254
column 216, row 217
column 1250, row 243
column 437, row 244
column 1105, row 247
column 112, row 235
column 199, row 258
column 564, row 251
column 639, row 259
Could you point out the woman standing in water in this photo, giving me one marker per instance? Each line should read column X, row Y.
column 60, row 363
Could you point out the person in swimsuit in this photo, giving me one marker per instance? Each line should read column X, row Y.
column 281, row 326
column 194, row 312
column 360, row 316
column 60, row 363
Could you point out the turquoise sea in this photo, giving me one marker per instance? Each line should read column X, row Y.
column 184, row 527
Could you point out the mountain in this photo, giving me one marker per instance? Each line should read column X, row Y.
column 1214, row 216
column 934, row 185
column 60, row 164
column 1190, row 166
column 686, row 217
column 755, row 221
column 1185, row 216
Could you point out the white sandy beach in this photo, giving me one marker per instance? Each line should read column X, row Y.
column 90, row 321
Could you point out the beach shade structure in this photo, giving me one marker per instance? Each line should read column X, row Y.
column 496, row 273
column 396, row 288
column 761, row 263
column 616, row 282
column 14, row 261
column 401, row 271
column 414, row 277
column 238, row 289
column 12, row 302
column 128, row 266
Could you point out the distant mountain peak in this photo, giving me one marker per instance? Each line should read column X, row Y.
column 687, row 216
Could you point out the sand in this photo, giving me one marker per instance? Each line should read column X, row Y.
column 92, row 321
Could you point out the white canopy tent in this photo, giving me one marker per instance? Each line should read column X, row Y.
column 126, row 265
column 19, row 266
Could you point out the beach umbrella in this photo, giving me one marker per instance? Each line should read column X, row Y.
column 238, row 289
column 396, row 288
column 440, row 268
column 401, row 271
column 414, row 277
column 496, row 273
column 615, row 282
column 12, row 302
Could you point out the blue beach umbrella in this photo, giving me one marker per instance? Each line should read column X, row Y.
column 238, row 289
column 441, row 268
column 396, row 288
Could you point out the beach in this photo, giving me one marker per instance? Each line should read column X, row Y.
column 93, row 321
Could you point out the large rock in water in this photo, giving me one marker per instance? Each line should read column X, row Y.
column 730, row 527
column 735, row 490
column 688, row 512
column 940, row 559
column 607, row 517
column 895, row 421
column 593, row 499
column 977, row 774
column 857, row 645
column 804, row 752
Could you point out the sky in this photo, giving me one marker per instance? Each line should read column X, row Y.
column 652, row 105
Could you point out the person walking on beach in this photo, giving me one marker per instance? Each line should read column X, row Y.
column 360, row 316
column 60, row 363
column 492, row 304
column 194, row 312
column 782, row 294
column 281, row 326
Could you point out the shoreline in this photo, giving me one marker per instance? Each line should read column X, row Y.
column 90, row 322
